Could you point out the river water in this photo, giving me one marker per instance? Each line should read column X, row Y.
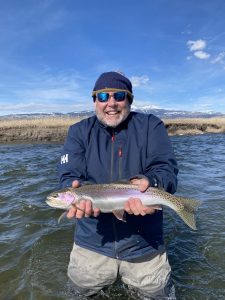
column 34, row 248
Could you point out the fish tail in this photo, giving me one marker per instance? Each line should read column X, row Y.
column 187, row 214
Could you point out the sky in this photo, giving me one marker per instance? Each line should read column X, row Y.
column 52, row 52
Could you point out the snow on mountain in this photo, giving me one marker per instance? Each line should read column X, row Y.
column 161, row 113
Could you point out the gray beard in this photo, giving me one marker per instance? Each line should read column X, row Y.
column 113, row 125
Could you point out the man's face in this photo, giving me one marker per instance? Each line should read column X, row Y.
column 111, row 113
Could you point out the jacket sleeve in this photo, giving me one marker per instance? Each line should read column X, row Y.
column 72, row 164
column 161, row 168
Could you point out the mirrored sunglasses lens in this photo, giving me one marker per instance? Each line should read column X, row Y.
column 120, row 96
column 103, row 97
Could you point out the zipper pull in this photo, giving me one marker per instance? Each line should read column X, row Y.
column 113, row 138
column 120, row 153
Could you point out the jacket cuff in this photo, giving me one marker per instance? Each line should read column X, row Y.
column 67, row 183
column 152, row 179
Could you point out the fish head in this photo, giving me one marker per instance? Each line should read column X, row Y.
column 62, row 199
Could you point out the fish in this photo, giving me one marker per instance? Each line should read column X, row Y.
column 112, row 197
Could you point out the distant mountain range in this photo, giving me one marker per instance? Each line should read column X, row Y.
column 161, row 113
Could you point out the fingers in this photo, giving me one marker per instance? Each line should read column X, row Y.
column 135, row 181
column 75, row 184
column 83, row 209
column 72, row 212
column 142, row 183
column 96, row 212
column 135, row 206
column 149, row 210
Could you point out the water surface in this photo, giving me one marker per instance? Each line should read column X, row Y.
column 34, row 249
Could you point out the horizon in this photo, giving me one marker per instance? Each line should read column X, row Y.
column 52, row 52
column 133, row 108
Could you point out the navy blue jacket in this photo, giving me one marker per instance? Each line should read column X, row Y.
column 98, row 154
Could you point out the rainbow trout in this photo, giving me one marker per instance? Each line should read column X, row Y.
column 112, row 197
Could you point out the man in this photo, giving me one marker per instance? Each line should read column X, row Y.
column 113, row 145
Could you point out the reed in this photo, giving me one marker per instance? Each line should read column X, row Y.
column 67, row 121
column 195, row 125
column 54, row 129
column 45, row 122
column 218, row 120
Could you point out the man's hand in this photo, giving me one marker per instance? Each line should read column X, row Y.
column 134, row 205
column 83, row 208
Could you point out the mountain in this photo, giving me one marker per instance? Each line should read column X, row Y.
column 175, row 114
column 161, row 113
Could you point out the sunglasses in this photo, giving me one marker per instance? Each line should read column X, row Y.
column 118, row 96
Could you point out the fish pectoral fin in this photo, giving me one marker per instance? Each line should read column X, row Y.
column 120, row 214
column 61, row 216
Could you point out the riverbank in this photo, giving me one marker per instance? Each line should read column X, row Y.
column 55, row 129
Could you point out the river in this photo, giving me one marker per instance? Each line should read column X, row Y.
column 34, row 248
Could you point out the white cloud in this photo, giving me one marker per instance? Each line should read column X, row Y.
column 196, row 45
column 43, row 107
column 48, row 87
column 219, row 58
column 197, row 48
column 139, row 80
column 210, row 103
column 187, row 32
column 45, row 91
column 201, row 54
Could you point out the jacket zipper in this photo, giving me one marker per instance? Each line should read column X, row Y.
column 112, row 157
column 120, row 154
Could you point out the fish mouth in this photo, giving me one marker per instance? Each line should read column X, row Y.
column 50, row 201
column 50, row 198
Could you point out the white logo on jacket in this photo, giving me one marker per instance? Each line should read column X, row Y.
column 64, row 159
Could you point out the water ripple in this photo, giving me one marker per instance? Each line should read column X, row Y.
column 34, row 249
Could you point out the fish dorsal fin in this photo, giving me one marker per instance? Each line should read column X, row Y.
column 120, row 214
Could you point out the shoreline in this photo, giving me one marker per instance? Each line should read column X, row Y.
column 54, row 130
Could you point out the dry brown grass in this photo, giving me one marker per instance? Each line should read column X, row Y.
column 195, row 126
column 219, row 121
column 54, row 129
column 67, row 121
column 46, row 122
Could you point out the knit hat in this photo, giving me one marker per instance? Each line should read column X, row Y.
column 113, row 81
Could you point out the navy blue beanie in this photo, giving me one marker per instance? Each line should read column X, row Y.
column 113, row 81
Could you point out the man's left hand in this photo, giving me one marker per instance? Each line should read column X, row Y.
column 134, row 205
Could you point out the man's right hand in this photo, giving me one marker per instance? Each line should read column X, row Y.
column 83, row 208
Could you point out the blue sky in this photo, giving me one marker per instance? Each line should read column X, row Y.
column 52, row 51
